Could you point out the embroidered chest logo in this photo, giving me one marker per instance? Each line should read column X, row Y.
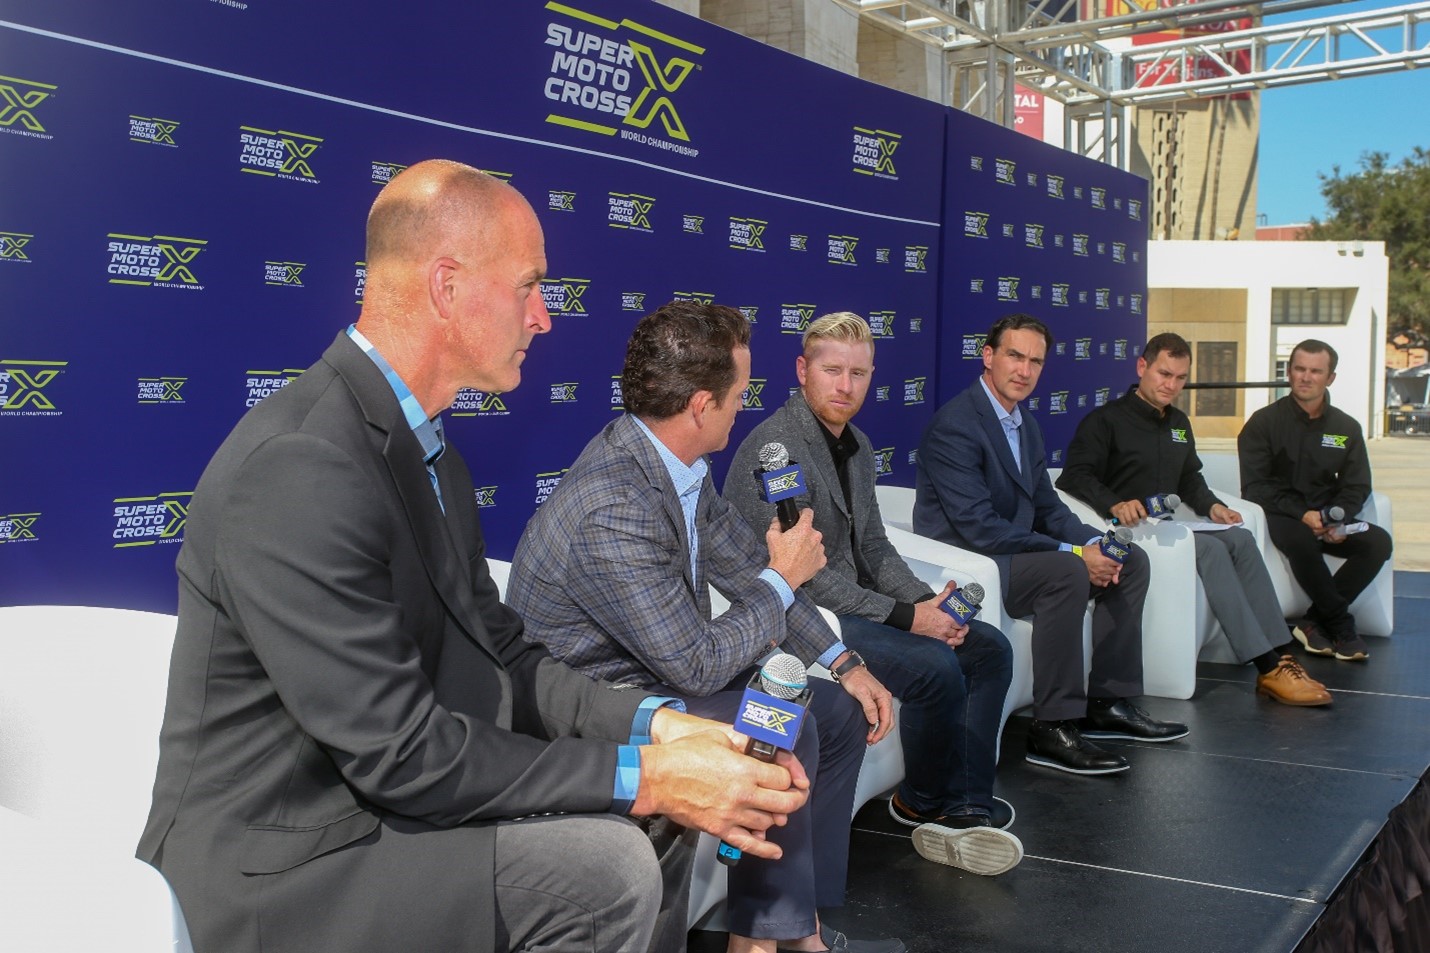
column 1334, row 440
column 1178, row 436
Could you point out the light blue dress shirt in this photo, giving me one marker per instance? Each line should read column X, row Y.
column 687, row 481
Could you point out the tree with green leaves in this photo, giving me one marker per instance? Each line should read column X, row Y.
column 1389, row 203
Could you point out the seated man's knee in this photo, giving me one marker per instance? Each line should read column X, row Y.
column 1067, row 573
column 1380, row 541
column 1238, row 539
column 1137, row 560
column 989, row 647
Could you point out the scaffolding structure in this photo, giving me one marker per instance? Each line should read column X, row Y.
column 1091, row 67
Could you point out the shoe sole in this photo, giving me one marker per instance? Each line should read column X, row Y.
column 1012, row 814
column 1287, row 701
column 1059, row 766
column 1306, row 643
column 1096, row 735
column 985, row 851
column 899, row 818
column 1357, row 657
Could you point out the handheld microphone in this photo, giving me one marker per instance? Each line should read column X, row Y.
column 1114, row 543
column 771, row 712
column 963, row 604
column 1337, row 532
column 1332, row 514
column 1160, row 507
column 780, row 482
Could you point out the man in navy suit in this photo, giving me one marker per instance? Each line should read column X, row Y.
column 982, row 484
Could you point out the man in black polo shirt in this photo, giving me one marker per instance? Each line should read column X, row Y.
column 1140, row 446
column 1299, row 457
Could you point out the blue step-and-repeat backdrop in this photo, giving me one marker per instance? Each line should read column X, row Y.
column 185, row 184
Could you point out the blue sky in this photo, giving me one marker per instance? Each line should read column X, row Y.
column 1308, row 129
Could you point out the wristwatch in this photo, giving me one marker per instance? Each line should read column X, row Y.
column 855, row 660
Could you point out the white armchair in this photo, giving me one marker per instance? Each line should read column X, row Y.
column 81, row 700
column 1176, row 620
column 935, row 563
column 1374, row 609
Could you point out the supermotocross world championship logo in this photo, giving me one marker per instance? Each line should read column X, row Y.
column 795, row 318
column 546, row 484
column 260, row 384
column 874, row 152
column 916, row 259
column 841, row 250
column 750, row 398
column 153, row 131
column 385, row 172
column 277, row 153
column 18, row 528
column 150, row 520
column 22, row 388
column 161, row 390
column 154, row 261
column 12, row 247
column 563, row 295
column 747, row 234
column 883, row 462
column 19, row 98
column 610, row 77
column 881, row 324
column 630, row 211
column 283, row 274
column 476, row 403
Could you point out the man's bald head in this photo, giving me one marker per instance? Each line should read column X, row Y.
column 435, row 208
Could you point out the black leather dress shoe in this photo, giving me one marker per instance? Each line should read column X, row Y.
column 1126, row 720
column 1058, row 744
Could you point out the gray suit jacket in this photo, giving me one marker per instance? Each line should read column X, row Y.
column 602, row 576
column 343, row 665
column 836, row 586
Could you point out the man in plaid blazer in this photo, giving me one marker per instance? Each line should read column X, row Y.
column 613, row 575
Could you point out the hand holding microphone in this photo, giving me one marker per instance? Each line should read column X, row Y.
column 796, row 547
column 1161, row 505
column 1104, row 556
column 771, row 713
column 946, row 616
column 780, row 482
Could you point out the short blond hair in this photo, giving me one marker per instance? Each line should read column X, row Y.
column 843, row 326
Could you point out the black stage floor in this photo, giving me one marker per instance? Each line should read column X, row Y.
column 1232, row 839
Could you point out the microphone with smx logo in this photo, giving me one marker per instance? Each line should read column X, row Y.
column 963, row 604
column 1114, row 543
column 1160, row 506
column 771, row 713
column 780, row 482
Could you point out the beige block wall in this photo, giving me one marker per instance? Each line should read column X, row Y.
column 1204, row 314
column 1212, row 148
column 892, row 59
column 818, row 30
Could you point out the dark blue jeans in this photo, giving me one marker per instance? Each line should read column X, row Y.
column 952, row 704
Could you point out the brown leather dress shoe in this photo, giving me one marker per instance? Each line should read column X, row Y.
column 1289, row 684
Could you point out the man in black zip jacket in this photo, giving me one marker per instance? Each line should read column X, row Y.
column 1140, row 446
column 1299, row 457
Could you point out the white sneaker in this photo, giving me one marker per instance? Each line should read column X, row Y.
column 986, row 851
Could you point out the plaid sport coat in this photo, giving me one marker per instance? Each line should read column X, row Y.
column 602, row 577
